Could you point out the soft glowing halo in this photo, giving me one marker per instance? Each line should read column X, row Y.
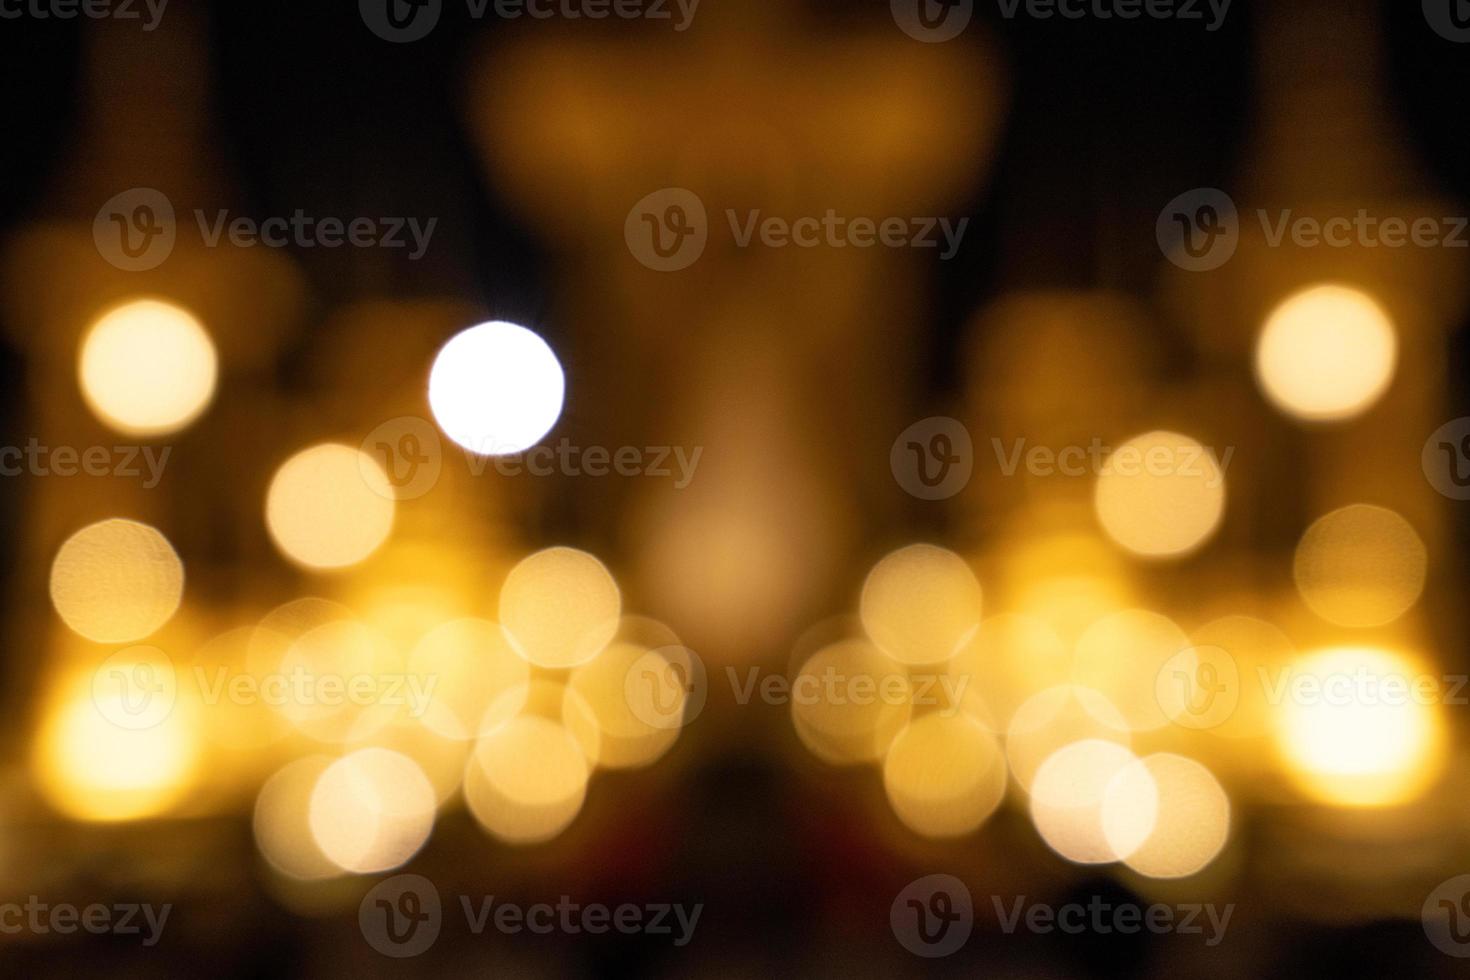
column 280, row 821
column 559, row 607
column 1356, row 726
column 329, row 506
column 1160, row 495
column 147, row 368
column 1360, row 566
column 116, row 581
column 371, row 811
column 1067, row 798
column 848, row 702
column 527, row 779
column 920, row 604
column 1165, row 816
column 496, row 388
column 944, row 774
column 1326, row 353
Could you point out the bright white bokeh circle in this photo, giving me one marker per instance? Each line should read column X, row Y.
column 496, row 388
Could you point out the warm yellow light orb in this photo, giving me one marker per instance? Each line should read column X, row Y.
column 527, row 779
column 1326, row 353
column 329, row 506
column 848, row 701
column 1067, row 798
column 371, row 810
column 1358, row 726
column 920, row 604
column 116, row 581
column 944, row 774
column 1165, row 816
column 609, row 726
column 1121, row 656
column 281, row 821
column 560, row 607
column 147, row 368
column 1360, row 566
column 1160, row 495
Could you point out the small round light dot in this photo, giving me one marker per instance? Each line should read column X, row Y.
column 147, row 368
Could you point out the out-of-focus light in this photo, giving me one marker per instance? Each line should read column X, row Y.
column 329, row 506
column 91, row 765
column 1055, row 717
column 607, row 724
column 1010, row 658
column 281, row 821
column 371, row 810
column 1357, row 726
column 116, row 581
column 848, row 701
column 560, row 607
column 496, row 388
column 1326, row 353
column 944, row 774
column 1160, row 495
column 1067, row 798
column 920, row 604
column 336, row 672
column 1165, row 816
column 1203, row 697
column 147, row 368
column 466, row 665
column 1360, row 566
column 526, row 781
column 1121, row 656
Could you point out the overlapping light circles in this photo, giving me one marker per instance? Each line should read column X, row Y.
column 116, row 581
column 527, row 780
column 147, row 368
column 329, row 506
column 921, row 604
column 371, row 810
column 839, row 724
column 560, row 607
column 944, row 774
